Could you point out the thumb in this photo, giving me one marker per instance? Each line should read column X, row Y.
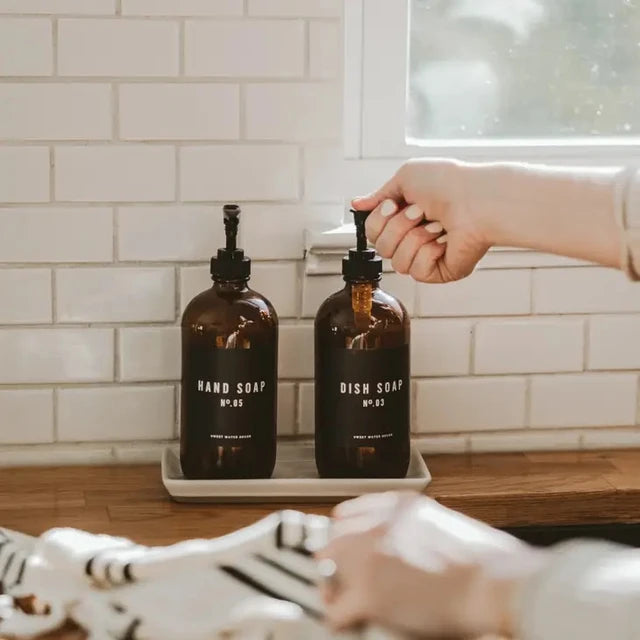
column 391, row 190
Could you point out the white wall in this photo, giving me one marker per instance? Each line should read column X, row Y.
column 124, row 124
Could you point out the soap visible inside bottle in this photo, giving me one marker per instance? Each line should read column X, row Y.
column 362, row 377
column 229, row 372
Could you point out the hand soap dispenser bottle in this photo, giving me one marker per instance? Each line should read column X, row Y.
column 229, row 372
column 362, row 380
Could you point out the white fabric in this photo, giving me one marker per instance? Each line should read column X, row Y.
column 590, row 591
column 114, row 588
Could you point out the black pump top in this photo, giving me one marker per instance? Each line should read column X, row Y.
column 230, row 263
column 362, row 263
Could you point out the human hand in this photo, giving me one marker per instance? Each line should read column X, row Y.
column 408, row 564
column 440, row 192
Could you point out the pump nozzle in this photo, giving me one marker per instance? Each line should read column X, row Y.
column 231, row 214
column 359, row 218
column 362, row 263
column 230, row 262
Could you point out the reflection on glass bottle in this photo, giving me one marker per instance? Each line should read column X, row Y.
column 362, row 379
column 229, row 372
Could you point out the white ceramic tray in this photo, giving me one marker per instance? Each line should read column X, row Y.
column 295, row 478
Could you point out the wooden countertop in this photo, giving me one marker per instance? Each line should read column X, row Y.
column 502, row 489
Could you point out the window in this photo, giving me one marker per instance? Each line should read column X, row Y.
column 523, row 69
column 493, row 79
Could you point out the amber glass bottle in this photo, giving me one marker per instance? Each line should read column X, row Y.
column 362, row 378
column 229, row 372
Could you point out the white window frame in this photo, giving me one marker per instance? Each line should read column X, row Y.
column 376, row 46
column 374, row 145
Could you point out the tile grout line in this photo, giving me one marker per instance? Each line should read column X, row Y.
column 55, row 414
column 586, row 332
column 116, row 356
column 115, row 228
column 298, row 417
column 413, row 399
column 52, row 175
column 54, row 296
column 182, row 44
column 527, row 402
column 242, row 111
column 531, row 291
column 416, row 300
column 191, row 79
column 177, row 162
column 301, row 284
column 296, row 395
column 307, row 50
column 301, row 173
column 178, row 294
column 54, row 44
column 115, row 111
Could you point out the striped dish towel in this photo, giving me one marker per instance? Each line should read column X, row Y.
column 258, row 583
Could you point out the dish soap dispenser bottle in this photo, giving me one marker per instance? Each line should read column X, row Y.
column 229, row 372
column 362, row 378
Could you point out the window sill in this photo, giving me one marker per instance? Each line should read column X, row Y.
column 324, row 251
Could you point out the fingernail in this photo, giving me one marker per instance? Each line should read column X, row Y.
column 434, row 227
column 413, row 212
column 388, row 208
column 442, row 239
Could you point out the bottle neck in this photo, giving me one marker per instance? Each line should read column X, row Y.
column 350, row 285
column 230, row 286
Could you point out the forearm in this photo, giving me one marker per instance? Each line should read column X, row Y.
column 564, row 210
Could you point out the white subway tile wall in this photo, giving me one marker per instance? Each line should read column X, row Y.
column 278, row 282
column 267, row 120
column 529, row 346
column 94, row 47
column 45, row 111
column 27, row 416
column 287, row 409
column 56, row 355
column 56, row 234
column 128, row 294
column 24, row 174
column 440, row 347
column 614, row 342
column 26, row 296
column 295, row 351
column 124, row 124
column 115, row 173
column 179, row 111
column 149, row 353
column 587, row 400
column 56, row 7
column 239, row 172
column 168, row 233
column 116, row 413
column 182, row 7
column 288, row 8
column 470, row 404
column 245, row 48
column 483, row 293
column 324, row 49
column 18, row 60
